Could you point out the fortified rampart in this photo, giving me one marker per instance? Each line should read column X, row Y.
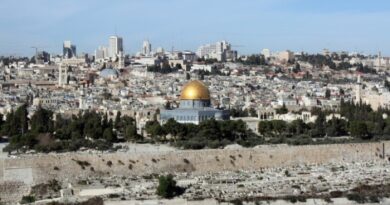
column 25, row 171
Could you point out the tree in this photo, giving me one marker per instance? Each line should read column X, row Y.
column 279, row 126
column 201, row 77
column 109, row 135
column 210, row 61
column 282, row 110
column 117, row 121
column 255, row 60
column 336, row 127
column 343, row 66
column 327, row 94
column 297, row 68
column 178, row 66
column 131, row 133
column 319, row 125
column 342, row 92
column 1, row 126
column 27, row 199
column 16, row 122
column 253, row 112
column 42, row 121
column 264, row 127
column 387, row 85
column 172, row 127
column 167, row 105
column 154, row 129
column 359, row 129
column 167, row 187
column 21, row 118
column 91, row 125
column 239, row 113
column 297, row 127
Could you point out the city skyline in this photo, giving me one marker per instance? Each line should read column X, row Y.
column 298, row 25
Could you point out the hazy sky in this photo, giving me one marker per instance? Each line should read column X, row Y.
column 310, row 25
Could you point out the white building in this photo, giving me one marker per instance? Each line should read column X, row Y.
column 160, row 50
column 115, row 46
column 189, row 56
column 101, row 53
column 266, row 53
column 69, row 50
column 45, row 101
column 285, row 56
column 62, row 74
column 219, row 51
column 147, row 61
column 201, row 67
column 146, row 48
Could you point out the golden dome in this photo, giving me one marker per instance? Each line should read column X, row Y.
column 195, row 90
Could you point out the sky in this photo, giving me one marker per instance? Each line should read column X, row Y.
column 249, row 25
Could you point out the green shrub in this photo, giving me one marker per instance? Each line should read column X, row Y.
column 27, row 199
column 167, row 187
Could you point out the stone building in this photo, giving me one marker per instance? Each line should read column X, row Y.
column 195, row 106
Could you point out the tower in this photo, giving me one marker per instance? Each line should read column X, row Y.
column 115, row 46
column 82, row 99
column 146, row 48
column 358, row 90
column 69, row 50
column 121, row 60
column 62, row 74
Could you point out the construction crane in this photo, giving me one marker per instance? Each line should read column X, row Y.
column 36, row 51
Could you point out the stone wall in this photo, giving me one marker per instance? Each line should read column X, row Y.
column 35, row 169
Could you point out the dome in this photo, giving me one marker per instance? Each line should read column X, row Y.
column 109, row 73
column 218, row 116
column 195, row 90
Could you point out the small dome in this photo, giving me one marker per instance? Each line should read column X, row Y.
column 195, row 90
column 218, row 116
column 109, row 73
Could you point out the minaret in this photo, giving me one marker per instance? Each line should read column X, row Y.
column 121, row 60
column 62, row 74
column 358, row 89
column 82, row 100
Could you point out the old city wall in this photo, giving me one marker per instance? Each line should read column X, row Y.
column 37, row 169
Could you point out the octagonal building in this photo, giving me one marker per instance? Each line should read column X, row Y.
column 195, row 106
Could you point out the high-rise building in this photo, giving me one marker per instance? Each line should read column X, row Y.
column 115, row 46
column 218, row 50
column 101, row 53
column 285, row 56
column 189, row 56
column 266, row 53
column 63, row 74
column 146, row 48
column 160, row 50
column 69, row 50
column 326, row 52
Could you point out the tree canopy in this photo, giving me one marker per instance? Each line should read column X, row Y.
column 87, row 129
column 167, row 187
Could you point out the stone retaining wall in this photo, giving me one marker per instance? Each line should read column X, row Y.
column 64, row 167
